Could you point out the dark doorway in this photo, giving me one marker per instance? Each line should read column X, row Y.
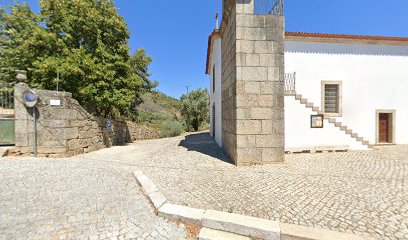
column 385, row 128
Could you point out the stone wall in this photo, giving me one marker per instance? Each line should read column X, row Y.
column 253, row 84
column 68, row 129
column 228, row 86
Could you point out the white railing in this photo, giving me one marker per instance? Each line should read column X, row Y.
column 290, row 83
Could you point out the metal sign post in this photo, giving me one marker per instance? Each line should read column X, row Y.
column 35, row 132
column 30, row 100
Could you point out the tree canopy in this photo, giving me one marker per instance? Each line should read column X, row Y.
column 195, row 109
column 85, row 43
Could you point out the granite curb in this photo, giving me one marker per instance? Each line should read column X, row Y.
column 216, row 221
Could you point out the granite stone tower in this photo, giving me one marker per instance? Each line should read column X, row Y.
column 253, row 124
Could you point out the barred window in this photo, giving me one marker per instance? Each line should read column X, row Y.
column 331, row 98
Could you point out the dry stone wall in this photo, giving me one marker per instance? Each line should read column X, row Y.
column 68, row 129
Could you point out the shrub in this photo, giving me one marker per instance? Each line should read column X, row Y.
column 195, row 109
column 171, row 128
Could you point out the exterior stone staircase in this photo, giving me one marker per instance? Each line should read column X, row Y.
column 331, row 120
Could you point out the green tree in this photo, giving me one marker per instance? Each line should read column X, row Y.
column 139, row 64
column 16, row 31
column 195, row 109
column 85, row 43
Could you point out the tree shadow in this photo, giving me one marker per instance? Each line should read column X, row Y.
column 203, row 143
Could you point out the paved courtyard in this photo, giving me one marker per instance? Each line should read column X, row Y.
column 95, row 194
column 75, row 199
column 362, row 192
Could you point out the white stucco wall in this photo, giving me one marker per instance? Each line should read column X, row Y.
column 373, row 77
column 215, row 97
column 300, row 135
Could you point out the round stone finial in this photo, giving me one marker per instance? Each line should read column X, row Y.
column 21, row 75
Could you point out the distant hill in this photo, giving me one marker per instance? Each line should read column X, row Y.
column 156, row 108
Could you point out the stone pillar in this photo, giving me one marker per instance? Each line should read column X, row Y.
column 252, row 84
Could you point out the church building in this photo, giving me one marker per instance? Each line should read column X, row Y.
column 340, row 92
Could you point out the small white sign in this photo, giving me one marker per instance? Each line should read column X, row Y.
column 55, row 102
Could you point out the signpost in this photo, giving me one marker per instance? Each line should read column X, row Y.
column 30, row 100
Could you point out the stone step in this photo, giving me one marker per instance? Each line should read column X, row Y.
column 332, row 120
column 303, row 100
column 242, row 225
column 211, row 234
column 309, row 105
column 316, row 109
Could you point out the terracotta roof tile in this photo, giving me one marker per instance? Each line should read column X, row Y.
column 316, row 35
column 345, row 36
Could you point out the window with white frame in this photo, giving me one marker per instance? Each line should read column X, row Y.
column 332, row 98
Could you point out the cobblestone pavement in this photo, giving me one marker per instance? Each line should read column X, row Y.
column 362, row 192
column 76, row 199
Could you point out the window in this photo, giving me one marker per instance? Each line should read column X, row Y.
column 331, row 98
column 213, row 79
column 213, row 120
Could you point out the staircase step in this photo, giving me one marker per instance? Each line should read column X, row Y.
column 211, row 234
column 309, row 105
column 332, row 120
column 316, row 109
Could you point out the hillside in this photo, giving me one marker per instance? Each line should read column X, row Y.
column 156, row 108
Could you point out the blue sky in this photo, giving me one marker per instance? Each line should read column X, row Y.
column 175, row 33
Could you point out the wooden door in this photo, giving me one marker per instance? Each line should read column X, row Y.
column 384, row 128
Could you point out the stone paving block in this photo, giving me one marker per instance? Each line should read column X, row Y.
column 240, row 224
column 211, row 234
column 157, row 198
column 183, row 213
column 147, row 185
column 296, row 232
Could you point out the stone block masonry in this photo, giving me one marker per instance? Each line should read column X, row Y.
column 252, row 84
column 68, row 129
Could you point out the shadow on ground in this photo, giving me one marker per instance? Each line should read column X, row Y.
column 203, row 143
